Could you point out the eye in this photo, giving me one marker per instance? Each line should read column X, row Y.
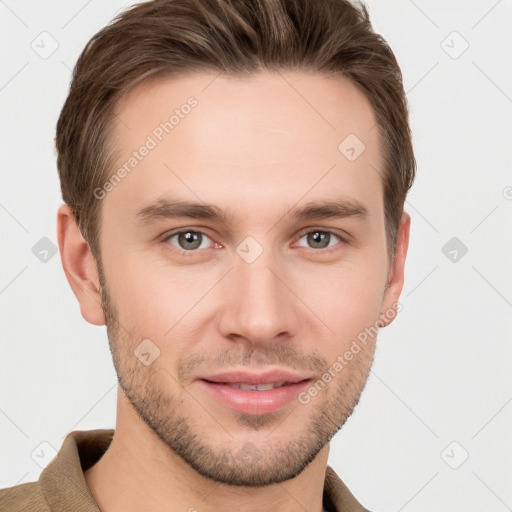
column 319, row 239
column 188, row 240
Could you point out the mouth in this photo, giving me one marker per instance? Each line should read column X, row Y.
column 255, row 387
column 254, row 399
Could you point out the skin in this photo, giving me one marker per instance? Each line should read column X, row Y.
column 255, row 148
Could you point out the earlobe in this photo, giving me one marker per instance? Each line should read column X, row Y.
column 79, row 266
column 390, row 304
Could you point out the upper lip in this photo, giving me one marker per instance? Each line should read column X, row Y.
column 253, row 378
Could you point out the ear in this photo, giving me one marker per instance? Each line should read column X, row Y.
column 79, row 266
column 390, row 304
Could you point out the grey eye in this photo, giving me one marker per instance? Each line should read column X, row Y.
column 319, row 239
column 189, row 240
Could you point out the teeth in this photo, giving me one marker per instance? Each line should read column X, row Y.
column 255, row 387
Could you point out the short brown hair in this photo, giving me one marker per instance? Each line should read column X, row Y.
column 171, row 37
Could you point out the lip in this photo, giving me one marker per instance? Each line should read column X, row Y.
column 253, row 378
column 251, row 401
column 254, row 402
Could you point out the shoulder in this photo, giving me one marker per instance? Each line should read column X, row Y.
column 23, row 497
column 337, row 495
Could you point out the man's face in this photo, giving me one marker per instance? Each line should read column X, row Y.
column 257, row 290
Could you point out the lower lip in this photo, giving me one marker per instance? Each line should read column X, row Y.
column 255, row 402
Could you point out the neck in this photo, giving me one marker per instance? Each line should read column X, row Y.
column 140, row 472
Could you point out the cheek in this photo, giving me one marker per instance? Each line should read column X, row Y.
column 151, row 304
column 140, row 293
column 347, row 299
column 159, row 301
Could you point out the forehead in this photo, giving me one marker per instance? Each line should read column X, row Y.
column 265, row 137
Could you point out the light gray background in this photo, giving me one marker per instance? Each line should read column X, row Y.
column 442, row 369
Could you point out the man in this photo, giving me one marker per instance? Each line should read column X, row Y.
column 234, row 175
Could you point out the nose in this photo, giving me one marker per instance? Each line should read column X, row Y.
column 259, row 307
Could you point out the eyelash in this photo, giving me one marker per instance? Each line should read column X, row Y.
column 194, row 252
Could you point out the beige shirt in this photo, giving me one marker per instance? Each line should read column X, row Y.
column 62, row 486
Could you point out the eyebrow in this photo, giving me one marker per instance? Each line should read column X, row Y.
column 179, row 208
